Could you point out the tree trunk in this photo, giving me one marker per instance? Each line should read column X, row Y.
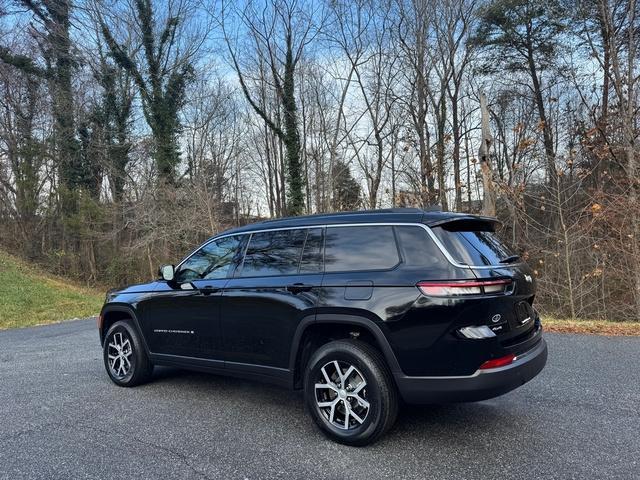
column 442, row 119
column 489, row 194
column 295, row 200
column 456, row 152
column 547, row 134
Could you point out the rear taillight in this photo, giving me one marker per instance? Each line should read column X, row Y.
column 456, row 288
column 498, row 362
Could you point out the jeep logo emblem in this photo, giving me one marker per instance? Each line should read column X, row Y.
column 496, row 318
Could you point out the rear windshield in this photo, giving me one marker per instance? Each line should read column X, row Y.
column 473, row 243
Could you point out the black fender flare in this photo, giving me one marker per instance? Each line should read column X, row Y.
column 129, row 311
column 345, row 319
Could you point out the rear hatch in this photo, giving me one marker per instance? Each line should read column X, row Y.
column 472, row 243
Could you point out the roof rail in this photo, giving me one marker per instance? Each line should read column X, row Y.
column 354, row 212
column 432, row 208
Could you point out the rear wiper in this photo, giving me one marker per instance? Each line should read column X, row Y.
column 510, row 259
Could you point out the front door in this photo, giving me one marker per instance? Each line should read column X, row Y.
column 182, row 317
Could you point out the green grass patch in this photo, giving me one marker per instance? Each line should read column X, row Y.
column 29, row 297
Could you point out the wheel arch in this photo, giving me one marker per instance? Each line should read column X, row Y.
column 111, row 314
column 314, row 331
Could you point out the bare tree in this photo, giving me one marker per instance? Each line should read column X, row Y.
column 454, row 26
column 23, row 145
column 55, row 65
column 160, row 61
column 279, row 33
column 414, row 31
column 375, row 72
column 617, row 53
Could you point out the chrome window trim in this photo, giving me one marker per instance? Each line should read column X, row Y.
column 433, row 236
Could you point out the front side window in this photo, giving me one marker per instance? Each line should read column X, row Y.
column 273, row 253
column 360, row 248
column 212, row 261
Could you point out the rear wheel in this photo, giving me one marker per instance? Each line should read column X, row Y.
column 350, row 393
column 124, row 356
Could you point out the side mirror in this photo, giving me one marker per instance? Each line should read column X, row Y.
column 167, row 272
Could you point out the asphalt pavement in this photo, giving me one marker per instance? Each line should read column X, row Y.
column 61, row 417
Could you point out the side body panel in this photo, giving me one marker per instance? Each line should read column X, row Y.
column 260, row 316
column 184, row 322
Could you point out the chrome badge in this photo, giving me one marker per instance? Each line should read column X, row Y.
column 496, row 318
column 528, row 278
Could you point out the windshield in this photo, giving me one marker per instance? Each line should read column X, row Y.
column 474, row 243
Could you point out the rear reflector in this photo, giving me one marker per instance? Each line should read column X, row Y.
column 498, row 362
column 477, row 333
column 457, row 288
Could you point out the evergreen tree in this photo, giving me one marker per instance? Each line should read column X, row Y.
column 346, row 191
column 524, row 36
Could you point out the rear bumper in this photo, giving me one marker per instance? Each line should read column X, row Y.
column 483, row 384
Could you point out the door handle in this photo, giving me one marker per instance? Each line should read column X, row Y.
column 299, row 287
column 208, row 290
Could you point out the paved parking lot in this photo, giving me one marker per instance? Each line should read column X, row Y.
column 60, row 417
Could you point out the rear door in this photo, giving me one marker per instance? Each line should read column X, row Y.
column 274, row 288
column 361, row 272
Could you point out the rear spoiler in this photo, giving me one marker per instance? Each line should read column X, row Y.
column 464, row 218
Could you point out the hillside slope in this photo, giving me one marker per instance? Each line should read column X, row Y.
column 28, row 297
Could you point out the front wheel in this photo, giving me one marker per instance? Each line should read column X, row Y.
column 350, row 392
column 124, row 356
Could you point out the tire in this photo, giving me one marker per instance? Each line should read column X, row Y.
column 131, row 366
column 373, row 406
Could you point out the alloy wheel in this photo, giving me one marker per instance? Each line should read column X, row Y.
column 341, row 395
column 119, row 354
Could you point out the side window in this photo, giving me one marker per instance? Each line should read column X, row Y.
column 360, row 248
column 311, row 261
column 273, row 253
column 473, row 243
column 214, row 260
column 418, row 249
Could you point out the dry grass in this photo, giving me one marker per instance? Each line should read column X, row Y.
column 593, row 327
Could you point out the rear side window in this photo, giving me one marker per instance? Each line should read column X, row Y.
column 360, row 248
column 273, row 253
column 418, row 249
column 473, row 243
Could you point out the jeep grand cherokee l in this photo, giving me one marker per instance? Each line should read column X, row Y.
column 358, row 309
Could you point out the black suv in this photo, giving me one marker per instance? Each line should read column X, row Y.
column 358, row 309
